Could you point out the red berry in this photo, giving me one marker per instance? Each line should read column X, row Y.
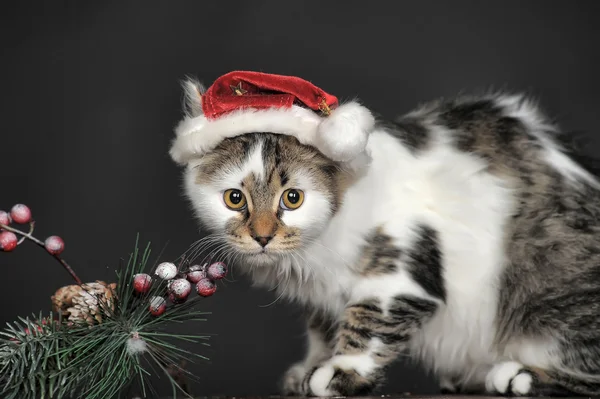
column 20, row 214
column 217, row 271
column 5, row 218
column 195, row 276
column 206, row 287
column 142, row 283
column 39, row 328
column 54, row 244
column 158, row 305
column 180, row 288
column 166, row 270
column 8, row 241
column 176, row 300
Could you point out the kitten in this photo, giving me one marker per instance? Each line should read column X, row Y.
column 468, row 238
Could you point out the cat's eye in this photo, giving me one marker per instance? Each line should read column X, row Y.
column 234, row 199
column 291, row 199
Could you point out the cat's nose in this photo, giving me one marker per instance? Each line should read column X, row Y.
column 263, row 240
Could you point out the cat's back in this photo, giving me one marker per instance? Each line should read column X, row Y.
column 551, row 221
column 518, row 216
column 509, row 132
column 501, row 140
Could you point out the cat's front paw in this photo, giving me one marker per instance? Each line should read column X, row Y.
column 448, row 386
column 292, row 380
column 335, row 378
column 509, row 378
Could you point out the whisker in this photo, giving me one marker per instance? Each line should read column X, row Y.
column 215, row 239
column 199, row 246
column 280, row 295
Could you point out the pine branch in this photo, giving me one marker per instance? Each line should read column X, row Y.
column 99, row 354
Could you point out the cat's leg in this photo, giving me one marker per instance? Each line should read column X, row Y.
column 374, row 331
column 509, row 378
column 400, row 289
column 512, row 378
column 320, row 333
column 569, row 365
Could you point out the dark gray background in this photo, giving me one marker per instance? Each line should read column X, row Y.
column 90, row 95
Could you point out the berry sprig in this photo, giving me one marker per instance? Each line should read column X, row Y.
column 179, row 283
column 21, row 214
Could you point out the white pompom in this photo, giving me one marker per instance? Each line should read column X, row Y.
column 344, row 134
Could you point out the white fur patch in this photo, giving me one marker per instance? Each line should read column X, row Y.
column 314, row 212
column 321, row 379
column 387, row 287
column 521, row 384
column 208, row 199
column 363, row 363
column 540, row 353
column 471, row 236
column 255, row 165
column 500, row 376
column 568, row 167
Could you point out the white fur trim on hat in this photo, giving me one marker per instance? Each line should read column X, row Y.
column 340, row 136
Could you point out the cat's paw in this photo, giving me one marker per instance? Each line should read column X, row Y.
column 509, row 378
column 334, row 378
column 292, row 380
column 447, row 386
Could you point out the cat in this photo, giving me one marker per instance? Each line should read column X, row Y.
column 467, row 237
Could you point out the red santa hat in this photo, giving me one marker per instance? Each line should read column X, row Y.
column 243, row 102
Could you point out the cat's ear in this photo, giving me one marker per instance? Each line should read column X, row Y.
column 192, row 98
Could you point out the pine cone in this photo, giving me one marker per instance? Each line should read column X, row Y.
column 86, row 302
column 63, row 299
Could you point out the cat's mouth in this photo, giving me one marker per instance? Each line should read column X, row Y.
column 258, row 254
column 262, row 256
